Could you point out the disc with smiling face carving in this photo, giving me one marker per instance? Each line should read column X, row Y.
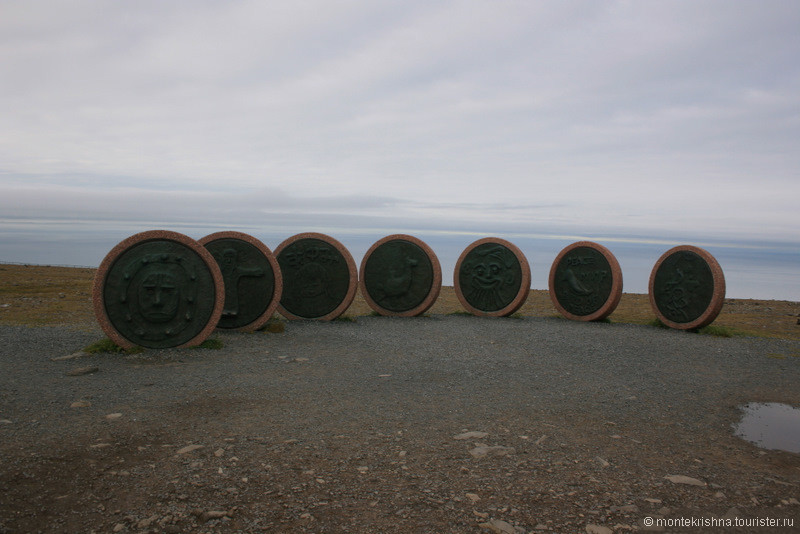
column 492, row 277
column 687, row 288
column 158, row 289
column 585, row 282
column 400, row 276
column 319, row 277
column 253, row 282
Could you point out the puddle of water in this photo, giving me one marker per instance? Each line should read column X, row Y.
column 770, row 426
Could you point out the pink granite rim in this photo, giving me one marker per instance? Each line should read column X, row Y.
column 614, row 297
column 272, row 306
column 525, row 283
column 153, row 235
column 717, row 297
column 436, row 285
column 351, row 268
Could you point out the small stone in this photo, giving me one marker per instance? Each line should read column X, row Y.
column 5, row 422
column 793, row 501
column 80, row 371
column 598, row 529
column 113, row 416
column 145, row 523
column 602, row 462
column 719, row 495
column 362, row 469
column 300, row 360
column 471, row 435
column 219, row 452
column 629, row 509
column 732, row 513
column 119, row 527
column 473, row 497
column 653, row 501
column 682, row 479
column 68, row 356
column 213, row 514
column 189, row 448
column 496, row 450
column 99, row 445
column 80, row 404
column 498, row 527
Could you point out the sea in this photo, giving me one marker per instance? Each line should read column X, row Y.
column 753, row 270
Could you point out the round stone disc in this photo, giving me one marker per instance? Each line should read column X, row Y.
column 319, row 277
column 687, row 288
column 492, row 277
column 253, row 281
column 400, row 276
column 585, row 282
column 158, row 289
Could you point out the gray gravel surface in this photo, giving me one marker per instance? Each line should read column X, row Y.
column 351, row 426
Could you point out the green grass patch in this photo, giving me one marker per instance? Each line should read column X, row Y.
column 211, row 343
column 106, row 346
column 710, row 330
column 345, row 319
column 723, row 331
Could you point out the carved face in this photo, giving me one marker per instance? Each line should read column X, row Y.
column 490, row 271
column 488, row 274
column 228, row 260
column 159, row 297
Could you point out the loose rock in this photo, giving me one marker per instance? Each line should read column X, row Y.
column 682, row 479
column 189, row 448
column 498, row 526
column 471, row 435
column 80, row 371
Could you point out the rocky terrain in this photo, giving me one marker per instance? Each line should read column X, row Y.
column 444, row 423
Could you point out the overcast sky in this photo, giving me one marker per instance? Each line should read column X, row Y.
column 596, row 118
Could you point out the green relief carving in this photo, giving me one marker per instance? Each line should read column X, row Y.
column 398, row 275
column 315, row 278
column 583, row 281
column 159, row 294
column 683, row 287
column 249, row 281
column 490, row 277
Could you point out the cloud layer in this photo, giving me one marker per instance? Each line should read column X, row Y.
column 638, row 117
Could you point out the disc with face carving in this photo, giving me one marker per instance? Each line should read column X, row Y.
column 687, row 288
column 158, row 289
column 585, row 282
column 319, row 277
column 252, row 278
column 400, row 276
column 492, row 277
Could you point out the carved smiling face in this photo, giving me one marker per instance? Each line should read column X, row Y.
column 490, row 277
column 490, row 269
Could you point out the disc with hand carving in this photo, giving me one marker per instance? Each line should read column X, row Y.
column 687, row 288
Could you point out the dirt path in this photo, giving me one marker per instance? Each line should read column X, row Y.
column 359, row 427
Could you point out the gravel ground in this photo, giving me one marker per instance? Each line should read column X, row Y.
column 359, row 427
